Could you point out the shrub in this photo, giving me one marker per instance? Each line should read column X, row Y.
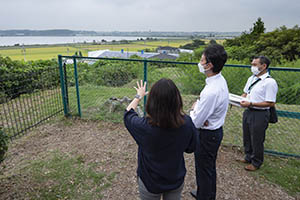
column 25, row 77
column 236, row 78
column 194, row 45
column 113, row 73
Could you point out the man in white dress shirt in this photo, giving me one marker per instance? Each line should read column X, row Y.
column 208, row 114
column 260, row 91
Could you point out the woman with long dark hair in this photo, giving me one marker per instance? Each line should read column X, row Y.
column 162, row 138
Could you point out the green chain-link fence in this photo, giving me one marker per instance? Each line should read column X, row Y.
column 282, row 137
column 92, row 85
column 28, row 97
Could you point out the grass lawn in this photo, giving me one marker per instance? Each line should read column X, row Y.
column 282, row 171
column 63, row 176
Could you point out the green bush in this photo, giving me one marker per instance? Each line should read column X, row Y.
column 236, row 78
column 84, row 71
column 112, row 73
column 191, row 80
column 289, row 95
column 3, row 144
column 19, row 77
column 194, row 45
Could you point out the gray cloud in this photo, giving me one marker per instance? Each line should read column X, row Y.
column 156, row 15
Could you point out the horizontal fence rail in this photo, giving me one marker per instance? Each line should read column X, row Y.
column 100, row 88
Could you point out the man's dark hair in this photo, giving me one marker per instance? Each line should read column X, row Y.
column 263, row 60
column 164, row 105
column 216, row 55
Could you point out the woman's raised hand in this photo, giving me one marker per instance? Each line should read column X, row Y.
column 141, row 88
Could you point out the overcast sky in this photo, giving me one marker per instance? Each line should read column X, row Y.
column 145, row 15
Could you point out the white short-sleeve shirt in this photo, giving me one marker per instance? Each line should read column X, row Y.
column 264, row 90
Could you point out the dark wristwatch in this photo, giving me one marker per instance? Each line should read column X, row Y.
column 138, row 97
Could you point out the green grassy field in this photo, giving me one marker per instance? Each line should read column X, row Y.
column 281, row 171
column 51, row 51
column 74, row 179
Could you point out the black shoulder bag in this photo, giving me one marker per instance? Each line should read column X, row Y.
column 273, row 113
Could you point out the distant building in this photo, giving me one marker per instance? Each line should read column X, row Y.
column 96, row 54
column 186, row 51
column 164, row 56
column 127, row 54
column 168, row 50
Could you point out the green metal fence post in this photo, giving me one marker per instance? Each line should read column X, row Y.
column 62, row 85
column 66, row 85
column 77, row 86
column 145, row 80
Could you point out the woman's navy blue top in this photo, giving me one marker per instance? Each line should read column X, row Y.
column 161, row 163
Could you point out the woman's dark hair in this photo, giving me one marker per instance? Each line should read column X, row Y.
column 164, row 105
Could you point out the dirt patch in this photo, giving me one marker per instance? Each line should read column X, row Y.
column 114, row 150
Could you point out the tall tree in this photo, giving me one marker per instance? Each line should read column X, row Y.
column 248, row 38
column 258, row 28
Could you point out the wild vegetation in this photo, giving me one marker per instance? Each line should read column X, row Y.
column 280, row 45
column 19, row 77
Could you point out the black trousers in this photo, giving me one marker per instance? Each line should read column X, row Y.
column 205, row 161
column 255, row 124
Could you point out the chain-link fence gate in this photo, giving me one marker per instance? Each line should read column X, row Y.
column 90, row 86
column 29, row 95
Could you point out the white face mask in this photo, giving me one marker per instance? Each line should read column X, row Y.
column 255, row 70
column 201, row 68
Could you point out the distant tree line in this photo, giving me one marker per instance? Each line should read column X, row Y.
column 194, row 45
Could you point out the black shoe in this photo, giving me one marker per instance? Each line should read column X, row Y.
column 194, row 193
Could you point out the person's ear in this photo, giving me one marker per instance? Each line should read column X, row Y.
column 210, row 65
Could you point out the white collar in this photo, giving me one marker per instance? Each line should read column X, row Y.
column 210, row 79
column 264, row 76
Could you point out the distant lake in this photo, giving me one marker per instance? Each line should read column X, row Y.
column 11, row 41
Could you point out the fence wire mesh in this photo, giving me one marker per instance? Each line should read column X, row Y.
column 28, row 98
column 104, row 86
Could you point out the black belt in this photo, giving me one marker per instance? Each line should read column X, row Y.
column 255, row 109
column 202, row 129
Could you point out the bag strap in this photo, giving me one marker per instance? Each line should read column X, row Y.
column 251, row 86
